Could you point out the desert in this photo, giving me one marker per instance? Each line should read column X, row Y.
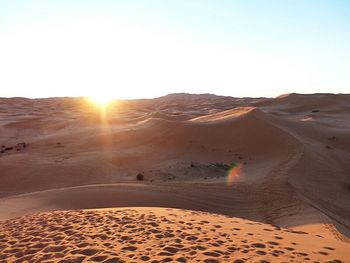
column 183, row 177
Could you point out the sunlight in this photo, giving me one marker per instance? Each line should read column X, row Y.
column 101, row 100
column 106, row 58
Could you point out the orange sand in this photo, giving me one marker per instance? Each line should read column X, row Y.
column 293, row 152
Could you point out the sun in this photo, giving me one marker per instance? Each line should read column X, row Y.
column 101, row 100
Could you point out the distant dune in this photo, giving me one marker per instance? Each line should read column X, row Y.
column 64, row 154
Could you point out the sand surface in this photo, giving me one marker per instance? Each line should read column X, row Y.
column 293, row 150
column 158, row 235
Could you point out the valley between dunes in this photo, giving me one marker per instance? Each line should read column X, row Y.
column 68, row 156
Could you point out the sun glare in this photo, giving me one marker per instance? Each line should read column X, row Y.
column 101, row 100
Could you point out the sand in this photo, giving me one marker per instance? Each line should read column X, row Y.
column 66, row 154
column 157, row 235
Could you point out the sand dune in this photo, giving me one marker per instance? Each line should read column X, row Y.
column 294, row 150
column 158, row 235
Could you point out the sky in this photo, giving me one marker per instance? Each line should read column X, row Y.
column 144, row 49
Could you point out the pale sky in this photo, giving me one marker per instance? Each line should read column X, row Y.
column 142, row 49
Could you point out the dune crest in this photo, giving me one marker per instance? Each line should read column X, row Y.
column 225, row 115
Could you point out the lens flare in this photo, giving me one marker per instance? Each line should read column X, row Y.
column 234, row 174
